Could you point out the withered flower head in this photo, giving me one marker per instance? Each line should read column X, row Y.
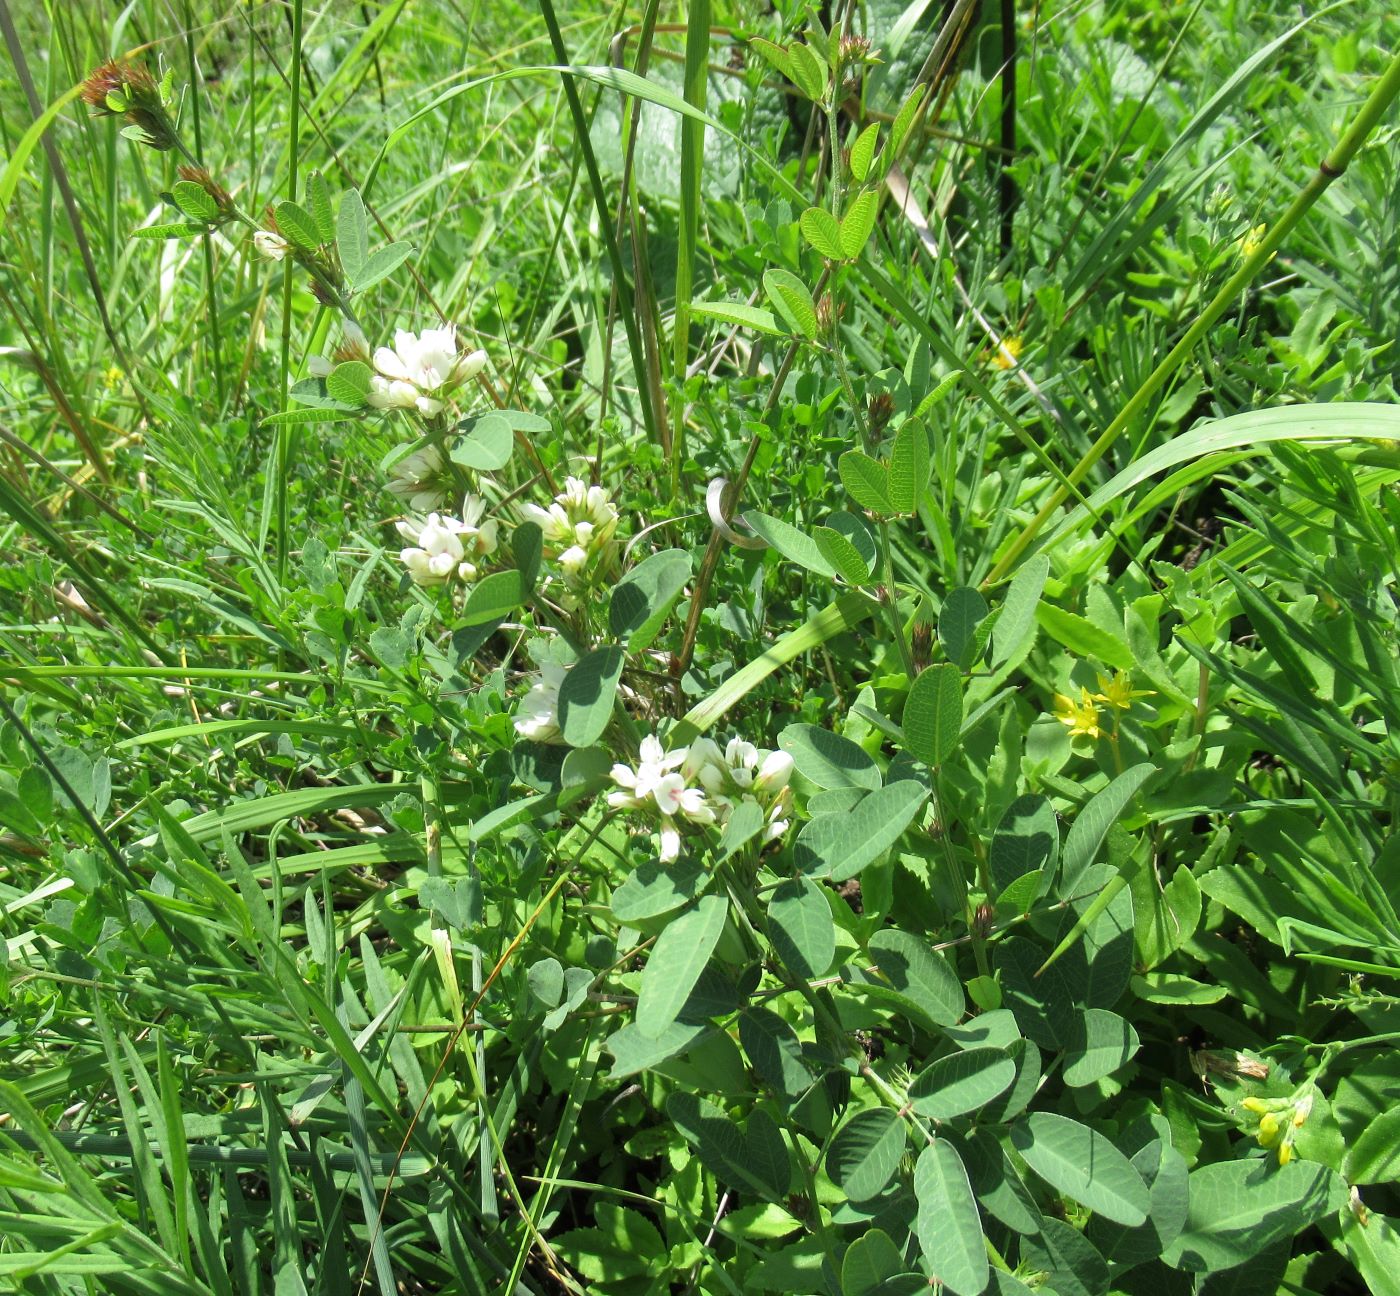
column 201, row 177
column 128, row 90
column 880, row 410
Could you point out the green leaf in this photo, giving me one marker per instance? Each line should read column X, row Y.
column 870, row 1261
column 587, row 694
column 822, row 230
column 644, row 597
column 1016, row 622
column 380, row 265
column 352, row 234
column 290, row 417
column 801, row 927
column 961, row 1082
column 1237, row 1209
column 841, row 554
column 318, row 194
column 1099, row 1043
column 675, row 963
column 808, row 73
column 656, row 889
column 1083, row 637
column 195, row 201
column 933, row 714
column 863, row 151
column 487, row 447
column 858, row 222
column 738, row 313
column 958, row 619
column 865, row 1153
column 948, row 1225
column 792, row 301
column 828, row 759
column 493, row 597
column 746, row 1161
column 909, row 467
column 349, row 382
column 996, row 1182
column 1027, row 840
column 297, row 225
column 796, row 546
column 1164, row 1171
column 775, row 1051
column 172, row 229
column 1093, row 821
column 904, row 120
column 1374, row 1157
column 776, row 55
column 866, row 481
column 766, row 1155
column 918, row 975
column 840, row 845
column 1067, row 1258
column 634, row 1052
column 1084, row 1165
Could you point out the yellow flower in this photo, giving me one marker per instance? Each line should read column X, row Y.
column 1081, row 717
column 1252, row 241
column 1119, row 692
column 1285, row 1153
column 1008, row 353
column 112, row 379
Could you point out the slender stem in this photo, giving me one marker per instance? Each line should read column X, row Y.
column 210, row 285
column 1382, row 96
column 891, row 602
column 284, row 430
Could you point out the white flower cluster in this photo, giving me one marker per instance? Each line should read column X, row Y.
column 538, row 717
column 442, row 547
column 421, row 370
column 421, row 480
column 578, row 532
column 701, row 784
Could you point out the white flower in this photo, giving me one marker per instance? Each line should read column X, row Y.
column 421, row 369
column 320, row 366
column 421, row 480
column 743, row 772
column 272, row 246
column 577, row 530
column 538, row 717
column 444, row 547
column 657, row 785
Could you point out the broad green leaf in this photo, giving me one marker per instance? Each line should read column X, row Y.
column 821, row 229
column 1016, row 622
column 635, row 1052
column 961, row 1082
column 904, row 120
column 297, row 416
column 527, row 547
column 1163, row 1169
column 918, row 974
column 865, row 1153
column 1374, row 1248
column 656, row 889
column 775, row 1051
column 996, row 1182
column 1027, row 839
column 801, row 927
column 933, row 714
column 858, row 222
column 869, row 1263
column 172, row 229
column 909, row 467
column 1171, row 988
column 297, row 225
column 1099, row 1043
column 840, row 845
column 1237, row 1209
column 856, row 530
column 746, row 821
column 1083, row 637
column 352, row 234
column 1083, row 1164
column 644, row 597
column 948, row 1225
column 587, row 694
column 493, row 597
column 349, row 382
column 380, row 265
column 675, row 963
column 809, row 72
column 194, row 200
column 866, row 481
column 963, row 611
column 1374, row 1157
column 792, row 301
column 766, row 1155
column 726, row 1151
column 487, row 447
column 738, row 313
column 863, row 152
column 828, row 759
column 841, row 554
column 1024, row 1088
column 318, row 195
column 777, row 55
column 1067, row 1258
column 1093, row 821
column 796, row 546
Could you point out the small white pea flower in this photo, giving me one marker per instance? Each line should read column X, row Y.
column 272, row 246
column 577, row 531
column 538, row 716
column 421, row 369
column 443, row 546
column 421, row 480
column 320, row 366
column 658, row 786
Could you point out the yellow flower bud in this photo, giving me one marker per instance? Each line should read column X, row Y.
column 1268, row 1129
column 1285, row 1153
column 1257, row 1105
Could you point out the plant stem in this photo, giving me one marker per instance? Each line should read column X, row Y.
column 891, row 602
column 284, row 431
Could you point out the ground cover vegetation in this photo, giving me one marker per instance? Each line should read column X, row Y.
column 733, row 648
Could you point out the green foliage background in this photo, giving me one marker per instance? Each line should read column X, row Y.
column 317, row 980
